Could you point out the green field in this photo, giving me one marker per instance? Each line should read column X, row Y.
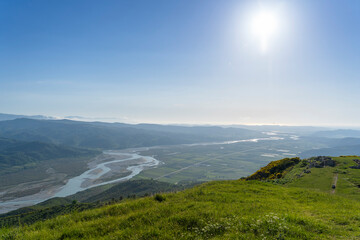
column 218, row 162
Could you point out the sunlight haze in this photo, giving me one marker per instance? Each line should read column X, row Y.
column 229, row 62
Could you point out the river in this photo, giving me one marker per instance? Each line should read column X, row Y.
column 76, row 184
column 136, row 164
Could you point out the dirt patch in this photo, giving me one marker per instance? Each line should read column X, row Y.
column 334, row 183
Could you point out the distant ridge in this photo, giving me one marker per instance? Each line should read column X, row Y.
column 6, row 117
column 102, row 135
column 339, row 133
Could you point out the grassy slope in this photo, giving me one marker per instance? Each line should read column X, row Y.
column 303, row 208
column 322, row 178
column 91, row 198
column 217, row 210
column 318, row 179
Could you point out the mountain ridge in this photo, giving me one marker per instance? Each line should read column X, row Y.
column 115, row 136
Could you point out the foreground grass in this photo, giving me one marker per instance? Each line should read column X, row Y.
column 348, row 179
column 215, row 210
column 321, row 179
column 318, row 179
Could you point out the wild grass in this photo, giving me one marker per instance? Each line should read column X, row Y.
column 348, row 178
column 321, row 179
column 214, row 210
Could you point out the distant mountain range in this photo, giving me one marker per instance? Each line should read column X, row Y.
column 344, row 150
column 5, row 117
column 115, row 135
column 102, row 135
column 299, row 130
column 339, row 133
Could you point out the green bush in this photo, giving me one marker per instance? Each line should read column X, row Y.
column 159, row 198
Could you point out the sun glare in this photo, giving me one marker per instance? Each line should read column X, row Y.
column 264, row 26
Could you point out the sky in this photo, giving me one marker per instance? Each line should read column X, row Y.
column 189, row 61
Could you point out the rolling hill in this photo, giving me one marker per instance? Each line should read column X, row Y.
column 115, row 135
column 16, row 155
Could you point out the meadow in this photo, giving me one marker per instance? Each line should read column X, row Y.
column 295, row 208
column 216, row 210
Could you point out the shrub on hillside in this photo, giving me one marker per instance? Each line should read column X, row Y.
column 159, row 198
column 274, row 169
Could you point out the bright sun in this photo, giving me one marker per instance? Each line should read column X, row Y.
column 264, row 26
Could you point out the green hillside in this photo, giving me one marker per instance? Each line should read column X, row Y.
column 301, row 204
column 90, row 198
column 132, row 188
column 17, row 155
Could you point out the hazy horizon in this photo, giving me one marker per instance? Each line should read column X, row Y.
column 116, row 120
column 247, row 62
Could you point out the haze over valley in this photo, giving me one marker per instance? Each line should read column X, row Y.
column 43, row 158
column 191, row 119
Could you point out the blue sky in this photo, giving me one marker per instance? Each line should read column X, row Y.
column 189, row 61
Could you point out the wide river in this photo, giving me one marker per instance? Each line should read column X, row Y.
column 136, row 163
column 76, row 184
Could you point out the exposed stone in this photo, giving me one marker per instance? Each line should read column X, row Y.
column 321, row 161
column 356, row 166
